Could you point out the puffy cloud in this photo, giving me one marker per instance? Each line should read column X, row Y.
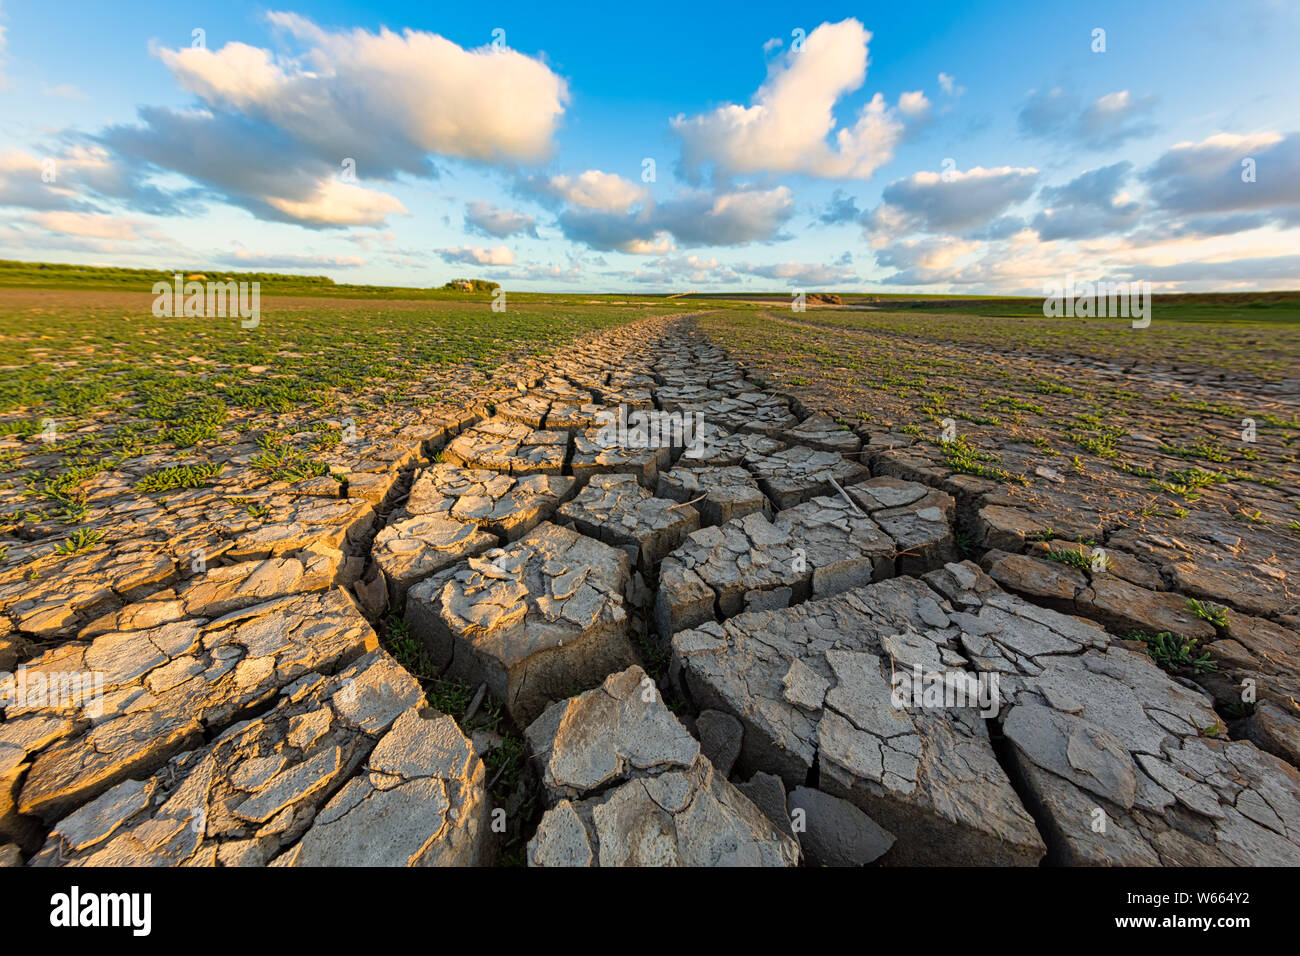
column 679, row 272
column 593, row 189
column 690, row 218
column 1265, row 270
column 1111, row 119
column 949, row 202
column 489, row 220
column 336, row 203
column 384, row 97
column 476, row 255
column 1206, row 177
column 1092, row 204
column 799, row 274
column 913, row 104
column 305, row 138
column 78, row 175
column 786, row 128
column 87, row 225
column 841, row 208
column 949, row 85
column 1045, row 113
column 728, row 219
column 1103, row 124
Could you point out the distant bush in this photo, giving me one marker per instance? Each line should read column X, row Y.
column 472, row 285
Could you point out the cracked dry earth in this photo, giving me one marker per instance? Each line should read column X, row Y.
column 695, row 642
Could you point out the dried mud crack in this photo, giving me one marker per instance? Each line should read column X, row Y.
column 635, row 605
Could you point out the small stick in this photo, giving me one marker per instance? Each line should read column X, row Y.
column 683, row 504
column 845, row 495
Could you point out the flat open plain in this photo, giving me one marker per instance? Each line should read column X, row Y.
column 371, row 583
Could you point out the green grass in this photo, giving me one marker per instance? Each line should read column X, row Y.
column 1174, row 653
column 81, row 540
column 963, row 458
column 1076, row 559
column 179, row 476
column 284, row 465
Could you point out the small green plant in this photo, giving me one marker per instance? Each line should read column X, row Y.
column 179, row 476
column 1051, row 388
column 285, row 465
column 189, row 435
column 1174, row 653
column 1186, row 483
column 83, row 539
column 963, row 458
column 1076, row 559
column 1216, row 614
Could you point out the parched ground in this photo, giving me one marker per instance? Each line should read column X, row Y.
column 373, row 583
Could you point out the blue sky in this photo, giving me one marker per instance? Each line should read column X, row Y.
column 971, row 147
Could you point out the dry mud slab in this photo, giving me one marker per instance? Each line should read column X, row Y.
column 772, row 576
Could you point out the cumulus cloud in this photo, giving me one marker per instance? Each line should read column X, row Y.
column 87, row 225
column 486, row 219
column 384, row 97
column 681, row 272
column 786, row 128
column 1111, row 119
column 953, row 201
column 800, row 274
column 1046, row 112
column 335, row 203
column 306, row 138
column 729, row 219
column 476, row 255
column 1259, row 269
column 688, row 218
column 593, row 189
column 77, row 178
column 1104, row 123
column 913, row 104
column 1207, row 177
column 1092, row 204
column 840, row 209
column 949, row 85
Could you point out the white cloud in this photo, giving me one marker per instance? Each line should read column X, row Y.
column 476, row 255
column 691, row 217
column 87, row 225
column 594, row 189
column 1104, row 123
column 416, row 91
column 797, row 274
column 1207, row 177
column 949, row 202
column 489, row 220
column 1091, row 204
column 1113, row 118
column 786, row 128
column 913, row 104
column 337, row 203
